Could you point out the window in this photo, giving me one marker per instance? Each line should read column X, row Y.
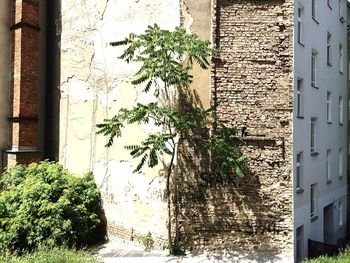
column 299, row 25
column 341, row 62
column 313, row 68
column 329, row 50
column 329, row 2
column 299, row 99
column 340, row 163
column 299, row 243
column 313, row 136
column 329, row 107
column 299, row 171
column 341, row 16
column 328, row 167
column 313, row 200
column 313, row 8
column 340, row 213
column 341, row 110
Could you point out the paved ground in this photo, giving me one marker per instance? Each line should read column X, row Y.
column 118, row 251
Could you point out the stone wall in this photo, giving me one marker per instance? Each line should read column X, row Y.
column 251, row 84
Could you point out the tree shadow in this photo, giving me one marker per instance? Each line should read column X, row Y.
column 219, row 213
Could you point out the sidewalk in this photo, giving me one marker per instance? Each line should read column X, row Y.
column 119, row 251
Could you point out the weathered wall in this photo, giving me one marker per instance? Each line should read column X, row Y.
column 196, row 18
column 4, row 73
column 94, row 85
column 251, row 83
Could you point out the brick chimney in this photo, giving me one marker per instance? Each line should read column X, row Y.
column 24, row 83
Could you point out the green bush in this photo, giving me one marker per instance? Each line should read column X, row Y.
column 344, row 257
column 55, row 255
column 43, row 205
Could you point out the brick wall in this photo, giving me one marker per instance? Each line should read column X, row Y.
column 25, row 81
column 251, row 83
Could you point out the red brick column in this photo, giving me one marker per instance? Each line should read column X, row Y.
column 25, row 82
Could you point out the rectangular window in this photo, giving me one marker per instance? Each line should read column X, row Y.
column 341, row 15
column 341, row 110
column 340, row 163
column 340, row 213
column 299, row 243
column 313, row 8
column 299, row 29
column 313, row 68
column 299, row 170
column 313, row 200
column 329, row 50
column 313, row 135
column 299, row 100
column 341, row 58
column 328, row 166
column 329, row 107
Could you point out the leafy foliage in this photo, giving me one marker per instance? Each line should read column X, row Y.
column 42, row 204
column 166, row 60
column 343, row 257
column 147, row 241
column 54, row 255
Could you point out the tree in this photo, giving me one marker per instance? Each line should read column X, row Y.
column 166, row 59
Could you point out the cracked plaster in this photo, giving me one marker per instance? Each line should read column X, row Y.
column 95, row 84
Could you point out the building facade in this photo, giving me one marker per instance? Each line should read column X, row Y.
column 320, row 123
column 280, row 78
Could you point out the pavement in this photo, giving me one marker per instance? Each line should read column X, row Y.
column 120, row 251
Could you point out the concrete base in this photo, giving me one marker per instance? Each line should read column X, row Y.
column 12, row 157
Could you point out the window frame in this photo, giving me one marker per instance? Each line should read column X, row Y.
column 299, row 172
column 340, row 12
column 341, row 58
column 340, row 214
column 313, row 135
column 313, row 68
column 313, row 201
column 313, row 9
column 328, row 166
column 340, row 163
column 300, row 15
column 341, row 110
column 299, row 98
column 329, row 107
column 329, row 4
column 329, row 49
column 299, row 237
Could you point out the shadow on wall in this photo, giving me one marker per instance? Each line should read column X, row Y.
column 53, row 72
column 218, row 212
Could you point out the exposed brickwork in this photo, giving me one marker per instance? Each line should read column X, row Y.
column 251, row 82
column 115, row 229
column 25, row 80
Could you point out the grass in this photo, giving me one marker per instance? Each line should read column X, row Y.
column 344, row 257
column 55, row 255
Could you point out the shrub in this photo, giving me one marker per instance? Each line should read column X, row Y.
column 343, row 257
column 42, row 204
column 55, row 255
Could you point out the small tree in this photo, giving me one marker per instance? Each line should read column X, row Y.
column 166, row 59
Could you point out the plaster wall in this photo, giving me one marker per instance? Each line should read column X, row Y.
column 196, row 17
column 4, row 73
column 94, row 86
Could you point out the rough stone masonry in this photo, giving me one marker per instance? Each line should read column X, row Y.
column 251, row 89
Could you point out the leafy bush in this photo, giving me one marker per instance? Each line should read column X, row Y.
column 55, row 255
column 42, row 204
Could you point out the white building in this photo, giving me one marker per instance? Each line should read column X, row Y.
column 320, row 123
